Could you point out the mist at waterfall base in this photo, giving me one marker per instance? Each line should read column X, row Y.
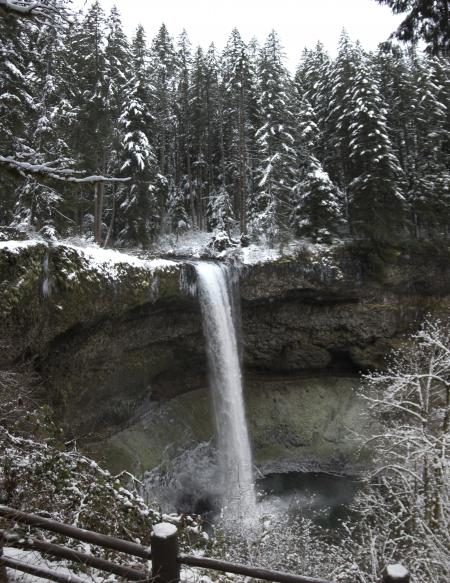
column 216, row 479
column 191, row 484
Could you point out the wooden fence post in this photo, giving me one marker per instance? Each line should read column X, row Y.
column 396, row 574
column 164, row 545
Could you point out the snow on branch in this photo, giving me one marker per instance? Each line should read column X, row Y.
column 25, row 7
column 25, row 169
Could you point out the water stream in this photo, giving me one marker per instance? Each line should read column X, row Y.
column 216, row 300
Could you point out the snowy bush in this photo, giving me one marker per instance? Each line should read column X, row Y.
column 404, row 513
column 279, row 540
column 38, row 474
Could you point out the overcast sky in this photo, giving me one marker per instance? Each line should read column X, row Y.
column 299, row 23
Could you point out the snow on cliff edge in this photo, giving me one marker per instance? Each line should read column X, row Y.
column 107, row 262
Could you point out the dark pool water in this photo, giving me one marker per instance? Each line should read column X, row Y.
column 322, row 497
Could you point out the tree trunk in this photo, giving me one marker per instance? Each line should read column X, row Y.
column 99, row 194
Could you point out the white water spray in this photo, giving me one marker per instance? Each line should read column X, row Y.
column 214, row 286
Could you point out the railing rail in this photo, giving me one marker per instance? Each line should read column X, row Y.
column 88, row 536
column 238, row 569
column 166, row 559
column 61, row 552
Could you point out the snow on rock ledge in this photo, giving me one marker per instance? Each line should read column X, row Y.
column 17, row 246
column 110, row 263
column 47, row 289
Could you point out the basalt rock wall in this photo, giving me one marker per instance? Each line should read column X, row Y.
column 107, row 340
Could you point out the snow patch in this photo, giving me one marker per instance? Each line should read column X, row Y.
column 255, row 254
column 108, row 261
column 36, row 559
column 396, row 571
column 164, row 530
column 18, row 246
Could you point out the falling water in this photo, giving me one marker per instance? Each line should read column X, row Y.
column 46, row 280
column 214, row 285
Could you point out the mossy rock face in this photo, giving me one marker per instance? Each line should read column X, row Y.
column 61, row 306
column 48, row 290
column 21, row 299
column 309, row 423
column 294, row 424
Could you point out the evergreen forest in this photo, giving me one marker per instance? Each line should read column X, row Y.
column 353, row 146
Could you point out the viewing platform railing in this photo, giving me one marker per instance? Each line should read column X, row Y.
column 163, row 553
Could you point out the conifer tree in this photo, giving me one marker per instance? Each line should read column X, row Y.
column 312, row 83
column 91, row 102
column 220, row 210
column 37, row 202
column 176, row 209
column 376, row 198
column 317, row 208
column 426, row 21
column 140, row 205
column 397, row 87
column 430, row 176
column 15, row 100
column 238, row 80
column 275, row 141
column 117, row 68
column 214, row 123
column 183, row 121
column 337, row 134
column 117, row 76
column 199, row 124
column 162, row 71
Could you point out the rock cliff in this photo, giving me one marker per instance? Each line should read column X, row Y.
column 111, row 334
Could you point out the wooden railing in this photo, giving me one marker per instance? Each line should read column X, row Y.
column 163, row 553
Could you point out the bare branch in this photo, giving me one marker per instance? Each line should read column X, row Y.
column 25, row 169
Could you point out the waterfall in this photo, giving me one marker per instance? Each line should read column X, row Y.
column 216, row 301
column 46, row 280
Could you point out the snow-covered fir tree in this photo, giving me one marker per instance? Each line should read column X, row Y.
column 337, row 135
column 140, row 208
column 162, row 77
column 238, row 81
column 430, row 176
column 176, row 209
column 16, row 103
column 376, row 190
column 317, row 209
column 183, row 121
column 220, row 210
column 275, row 175
column 117, row 77
column 312, row 83
column 316, row 206
column 352, row 134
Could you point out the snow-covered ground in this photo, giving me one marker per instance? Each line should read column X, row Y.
column 196, row 243
column 37, row 560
